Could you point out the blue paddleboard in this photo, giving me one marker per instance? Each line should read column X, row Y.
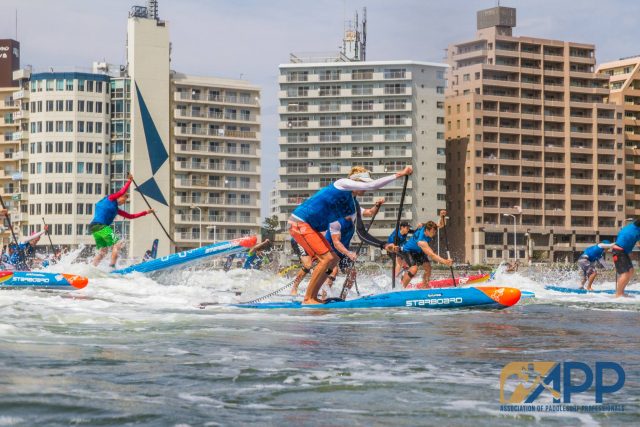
column 473, row 297
column 584, row 291
column 217, row 249
column 41, row 280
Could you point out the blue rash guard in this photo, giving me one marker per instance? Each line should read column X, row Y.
column 249, row 261
column 106, row 211
column 25, row 248
column 412, row 244
column 594, row 253
column 347, row 228
column 628, row 237
column 326, row 206
column 402, row 239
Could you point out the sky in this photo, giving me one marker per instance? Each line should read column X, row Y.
column 248, row 39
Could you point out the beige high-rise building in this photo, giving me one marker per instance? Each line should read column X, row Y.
column 68, row 152
column 15, row 171
column 531, row 139
column 624, row 83
column 216, row 159
column 10, row 154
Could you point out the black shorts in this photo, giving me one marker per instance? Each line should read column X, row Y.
column 413, row 258
column 345, row 264
column 622, row 261
column 297, row 249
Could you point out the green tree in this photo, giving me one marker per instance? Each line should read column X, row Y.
column 270, row 227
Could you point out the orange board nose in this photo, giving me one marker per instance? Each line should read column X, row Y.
column 504, row 296
column 77, row 282
column 247, row 242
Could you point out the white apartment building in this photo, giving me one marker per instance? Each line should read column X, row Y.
column 216, row 159
column 274, row 199
column 382, row 115
column 68, row 152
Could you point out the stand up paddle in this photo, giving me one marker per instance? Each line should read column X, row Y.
column 15, row 239
column 154, row 212
column 446, row 244
column 396, row 239
column 345, row 289
column 46, row 227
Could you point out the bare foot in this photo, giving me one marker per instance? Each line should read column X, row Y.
column 623, row 296
column 312, row 301
column 589, row 289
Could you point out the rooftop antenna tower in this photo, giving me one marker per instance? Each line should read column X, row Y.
column 152, row 9
column 364, row 34
column 354, row 43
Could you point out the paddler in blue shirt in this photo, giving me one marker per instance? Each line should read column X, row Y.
column 589, row 260
column 416, row 251
column 405, row 230
column 253, row 260
column 25, row 248
column 106, row 211
column 339, row 236
column 311, row 219
column 627, row 238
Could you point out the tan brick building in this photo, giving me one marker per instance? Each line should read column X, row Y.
column 624, row 84
column 530, row 134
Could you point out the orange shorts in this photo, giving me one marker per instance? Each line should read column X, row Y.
column 312, row 241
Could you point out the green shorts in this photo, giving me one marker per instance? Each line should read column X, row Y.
column 104, row 236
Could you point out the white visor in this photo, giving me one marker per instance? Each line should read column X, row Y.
column 362, row 176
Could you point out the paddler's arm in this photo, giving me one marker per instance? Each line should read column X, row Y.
column 606, row 246
column 260, row 246
column 341, row 248
column 346, row 184
column 122, row 191
column 367, row 238
column 127, row 215
column 432, row 255
column 33, row 236
column 373, row 210
column 442, row 222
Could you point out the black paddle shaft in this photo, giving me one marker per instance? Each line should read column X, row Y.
column 396, row 239
column 342, row 292
column 154, row 212
column 15, row 239
column 446, row 242
column 53, row 251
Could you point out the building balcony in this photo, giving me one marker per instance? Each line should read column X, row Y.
column 218, row 151
column 232, row 100
column 20, row 94
column 216, row 133
column 216, row 117
column 201, row 166
column 472, row 54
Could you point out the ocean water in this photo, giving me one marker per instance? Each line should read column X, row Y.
column 138, row 351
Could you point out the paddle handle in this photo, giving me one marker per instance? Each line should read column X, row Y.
column 53, row 251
